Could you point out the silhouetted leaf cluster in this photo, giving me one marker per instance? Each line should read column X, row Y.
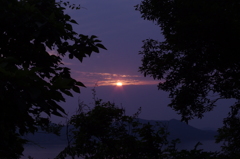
column 35, row 35
column 198, row 62
column 105, row 131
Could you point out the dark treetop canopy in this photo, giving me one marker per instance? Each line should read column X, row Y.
column 32, row 80
column 200, row 56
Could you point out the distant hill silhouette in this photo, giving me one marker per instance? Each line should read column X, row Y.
column 184, row 131
column 176, row 128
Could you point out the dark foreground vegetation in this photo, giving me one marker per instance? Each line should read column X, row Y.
column 198, row 60
column 104, row 131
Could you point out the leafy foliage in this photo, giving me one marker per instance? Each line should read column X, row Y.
column 198, row 63
column 200, row 54
column 229, row 133
column 106, row 132
column 32, row 80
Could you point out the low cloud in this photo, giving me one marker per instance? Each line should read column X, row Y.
column 107, row 79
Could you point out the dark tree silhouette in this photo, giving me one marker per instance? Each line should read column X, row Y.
column 198, row 62
column 105, row 131
column 32, row 80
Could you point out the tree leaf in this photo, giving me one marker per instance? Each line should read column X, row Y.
column 101, row 46
column 76, row 89
column 80, row 84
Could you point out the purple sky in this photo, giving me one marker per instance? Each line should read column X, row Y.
column 122, row 30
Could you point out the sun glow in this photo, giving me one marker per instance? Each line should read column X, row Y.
column 119, row 84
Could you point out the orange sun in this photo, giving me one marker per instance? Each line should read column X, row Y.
column 119, row 84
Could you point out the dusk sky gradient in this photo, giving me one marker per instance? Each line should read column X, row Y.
column 122, row 30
